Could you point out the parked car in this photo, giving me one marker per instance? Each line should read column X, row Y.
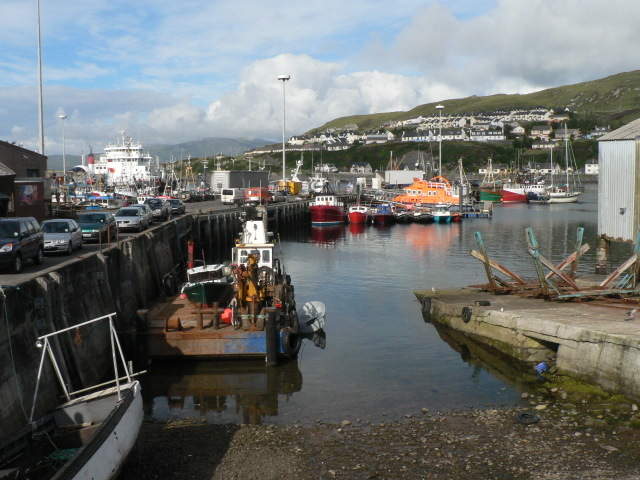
column 160, row 208
column 191, row 196
column 21, row 239
column 61, row 235
column 97, row 226
column 279, row 196
column 177, row 206
column 147, row 211
column 132, row 218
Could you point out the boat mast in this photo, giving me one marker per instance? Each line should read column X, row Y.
column 566, row 154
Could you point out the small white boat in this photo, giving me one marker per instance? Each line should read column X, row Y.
column 311, row 317
column 89, row 435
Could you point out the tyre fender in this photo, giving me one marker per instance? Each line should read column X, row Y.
column 290, row 342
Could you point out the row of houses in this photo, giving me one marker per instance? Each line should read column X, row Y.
column 486, row 127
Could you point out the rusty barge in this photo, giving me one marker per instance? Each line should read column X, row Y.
column 242, row 308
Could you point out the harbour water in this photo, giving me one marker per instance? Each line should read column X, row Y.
column 379, row 358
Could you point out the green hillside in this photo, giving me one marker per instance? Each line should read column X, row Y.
column 613, row 100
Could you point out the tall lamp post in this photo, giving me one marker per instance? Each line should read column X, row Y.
column 64, row 158
column 284, row 79
column 440, row 107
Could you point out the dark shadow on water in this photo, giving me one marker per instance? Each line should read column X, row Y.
column 518, row 375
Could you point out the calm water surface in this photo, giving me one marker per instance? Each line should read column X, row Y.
column 379, row 358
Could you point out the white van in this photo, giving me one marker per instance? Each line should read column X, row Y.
column 232, row 196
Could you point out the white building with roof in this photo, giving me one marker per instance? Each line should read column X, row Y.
column 619, row 183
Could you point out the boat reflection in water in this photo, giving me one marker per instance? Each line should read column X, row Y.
column 357, row 228
column 328, row 235
column 222, row 391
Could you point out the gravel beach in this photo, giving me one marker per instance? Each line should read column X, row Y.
column 549, row 440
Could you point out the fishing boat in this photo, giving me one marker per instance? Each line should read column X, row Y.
column 241, row 308
column 442, row 213
column 491, row 187
column 326, row 208
column 90, row 434
column 359, row 214
column 517, row 192
column 403, row 214
column 428, row 192
column 422, row 214
column 383, row 214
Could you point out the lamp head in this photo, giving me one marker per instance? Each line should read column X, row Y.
column 284, row 77
column 62, row 116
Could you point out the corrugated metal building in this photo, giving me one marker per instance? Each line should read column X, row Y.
column 619, row 183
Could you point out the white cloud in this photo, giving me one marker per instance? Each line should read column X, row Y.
column 169, row 72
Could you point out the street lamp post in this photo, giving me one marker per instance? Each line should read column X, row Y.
column 284, row 79
column 440, row 107
column 64, row 159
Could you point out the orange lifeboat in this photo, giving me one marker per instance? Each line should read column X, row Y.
column 436, row 190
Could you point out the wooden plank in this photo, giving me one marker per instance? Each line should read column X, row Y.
column 630, row 261
column 502, row 269
column 569, row 260
column 547, row 263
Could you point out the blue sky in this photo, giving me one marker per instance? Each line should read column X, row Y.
column 169, row 72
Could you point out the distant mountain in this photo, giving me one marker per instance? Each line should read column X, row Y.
column 208, row 147
column 197, row 149
column 613, row 99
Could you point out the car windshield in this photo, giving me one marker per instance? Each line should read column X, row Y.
column 91, row 218
column 154, row 202
column 9, row 229
column 129, row 212
column 175, row 202
column 55, row 227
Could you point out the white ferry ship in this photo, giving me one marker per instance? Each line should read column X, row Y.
column 125, row 167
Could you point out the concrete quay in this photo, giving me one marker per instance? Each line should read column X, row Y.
column 591, row 341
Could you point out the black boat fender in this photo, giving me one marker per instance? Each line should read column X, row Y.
column 290, row 342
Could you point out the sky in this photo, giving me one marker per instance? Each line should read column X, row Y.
column 168, row 72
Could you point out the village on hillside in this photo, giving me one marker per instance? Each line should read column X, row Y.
column 497, row 126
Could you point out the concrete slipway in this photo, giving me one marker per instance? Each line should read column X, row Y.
column 593, row 342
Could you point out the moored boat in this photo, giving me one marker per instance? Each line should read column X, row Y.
column 383, row 214
column 327, row 209
column 518, row 192
column 491, row 187
column 359, row 214
column 227, row 312
column 428, row 192
column 571, row 190
column 442, row 213
column 90, row 434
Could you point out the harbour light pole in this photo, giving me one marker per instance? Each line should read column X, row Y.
column 40, row 108
column 284, row 79
column 440, row 107
column 64, row 158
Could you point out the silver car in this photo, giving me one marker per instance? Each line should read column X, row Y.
column 132, row 218
column 147, row 211
column 61, row 235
